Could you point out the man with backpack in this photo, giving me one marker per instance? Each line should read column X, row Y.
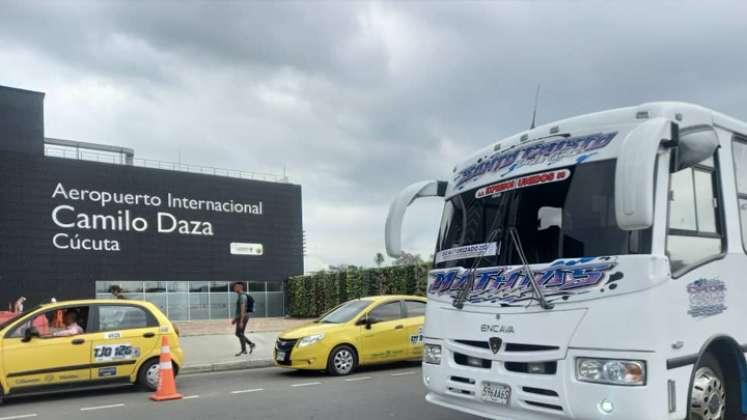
column 244, row 306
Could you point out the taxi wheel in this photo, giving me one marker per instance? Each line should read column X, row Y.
column 147, row 378
column 2, row 395
column 342, row 361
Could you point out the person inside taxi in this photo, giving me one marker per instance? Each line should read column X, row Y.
column 71, row 325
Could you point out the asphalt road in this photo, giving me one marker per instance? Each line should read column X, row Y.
column 393, row 392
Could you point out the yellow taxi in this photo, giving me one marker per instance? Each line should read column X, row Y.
column 84, row 343
column 364, row 331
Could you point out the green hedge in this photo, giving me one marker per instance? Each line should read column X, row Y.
column 310, row 296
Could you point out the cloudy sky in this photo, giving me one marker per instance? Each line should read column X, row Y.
column 356, row 100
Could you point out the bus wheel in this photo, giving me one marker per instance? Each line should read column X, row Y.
column 708, row 393
column 342, row 361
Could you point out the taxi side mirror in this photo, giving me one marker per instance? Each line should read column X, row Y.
column 365, row 321
column 30, row 333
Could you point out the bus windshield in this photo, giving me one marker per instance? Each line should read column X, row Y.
column 559, row 213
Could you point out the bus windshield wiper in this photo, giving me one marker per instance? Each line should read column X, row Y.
column 494, row 230
column 466, row 288
column 539, row 294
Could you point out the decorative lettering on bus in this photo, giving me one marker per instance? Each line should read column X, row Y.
column 548, row 152
column 508, row 285
column 523, row 182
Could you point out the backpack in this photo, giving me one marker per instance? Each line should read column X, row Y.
column 249, row 303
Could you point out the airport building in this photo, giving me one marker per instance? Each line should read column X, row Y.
column 77, row 218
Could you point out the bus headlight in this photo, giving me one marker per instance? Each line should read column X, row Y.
column 432, row 353
column 312, row 339
column 611, row 372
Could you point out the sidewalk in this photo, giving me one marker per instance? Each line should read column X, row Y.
column 210, row 346
column 223, row 326
column 213, row 353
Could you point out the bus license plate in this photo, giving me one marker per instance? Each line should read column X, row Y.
column 280, row 356
column 495, row 393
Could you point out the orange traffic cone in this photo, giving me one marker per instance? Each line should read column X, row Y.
column 166, row 385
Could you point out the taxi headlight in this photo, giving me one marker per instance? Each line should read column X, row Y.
column 309, row 340
column 610, row 371
column 432, row 353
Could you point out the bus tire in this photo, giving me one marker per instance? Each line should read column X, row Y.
column 708, row 391
column 342, row 361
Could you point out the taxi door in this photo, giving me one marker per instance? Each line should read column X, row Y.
column 46, row 361
column 414, row 319
column 125, row 333
column 384, row 338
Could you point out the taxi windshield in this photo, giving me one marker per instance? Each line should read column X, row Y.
column 561, row 213
column 344, row 312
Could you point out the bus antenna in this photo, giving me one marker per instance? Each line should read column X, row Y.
column 536, row 101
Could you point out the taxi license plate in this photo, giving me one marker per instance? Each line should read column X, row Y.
column 280, row 356
column 495, row 393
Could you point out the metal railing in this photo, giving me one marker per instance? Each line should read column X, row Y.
column 121, row 159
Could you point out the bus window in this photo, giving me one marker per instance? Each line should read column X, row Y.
column 740, row 165
column 695, row 231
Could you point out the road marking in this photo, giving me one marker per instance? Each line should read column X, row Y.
column 403, row 373
column 246, row 391
column 362, row 378
column 102, row 407
column 20, row 416
column 191, row 397
column 306, row 384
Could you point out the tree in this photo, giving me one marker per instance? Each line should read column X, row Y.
column 379, row 259
column 408, row 259
column 341, row 268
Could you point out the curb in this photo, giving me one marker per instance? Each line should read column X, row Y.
column 202, row 334
column 227, row 366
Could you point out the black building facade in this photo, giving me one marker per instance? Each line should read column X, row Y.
column 71, row 228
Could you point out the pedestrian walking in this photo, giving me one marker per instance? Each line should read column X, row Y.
column 117, row 292
column 18, row 307
column 244, row 306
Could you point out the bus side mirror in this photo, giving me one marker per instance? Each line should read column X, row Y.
column 393, row 230
column 695, row 145
column 635, row 172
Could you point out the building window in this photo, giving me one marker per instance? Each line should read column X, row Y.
column 740, row 168
column 695, row 230
column 196, row 300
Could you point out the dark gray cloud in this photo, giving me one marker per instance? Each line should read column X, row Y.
column 357, row 99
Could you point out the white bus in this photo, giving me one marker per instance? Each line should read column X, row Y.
column 592, row 268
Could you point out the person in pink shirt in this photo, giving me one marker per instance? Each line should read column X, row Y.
column 71, row 325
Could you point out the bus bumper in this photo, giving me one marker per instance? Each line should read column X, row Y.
column 544, row 396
